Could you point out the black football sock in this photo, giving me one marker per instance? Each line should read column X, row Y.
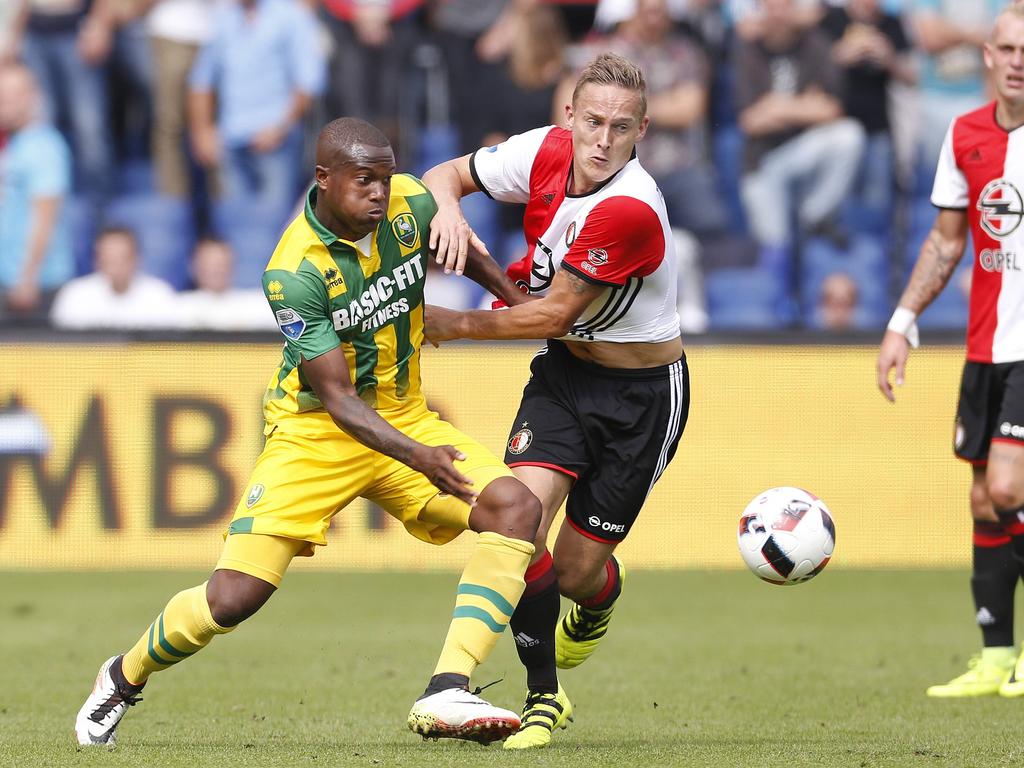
column 533, row 626
column 993, row 582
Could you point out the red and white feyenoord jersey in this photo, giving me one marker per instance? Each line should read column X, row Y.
column 617, row 236
column 981, row 170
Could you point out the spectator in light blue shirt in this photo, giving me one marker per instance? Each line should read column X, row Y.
column 35, row 176
column 263, row 67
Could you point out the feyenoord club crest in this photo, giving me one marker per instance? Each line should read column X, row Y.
column 520, row 441
column 404, row 227
column 1001, row 208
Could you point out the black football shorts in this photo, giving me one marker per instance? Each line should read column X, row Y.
column 613, row 430
column 991, row 408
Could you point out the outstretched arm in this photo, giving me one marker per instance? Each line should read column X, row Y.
column 330, row 378
column 939, row 255
column 545, row 318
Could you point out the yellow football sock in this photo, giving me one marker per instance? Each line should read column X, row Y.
column 489, row 589
column 184, row 626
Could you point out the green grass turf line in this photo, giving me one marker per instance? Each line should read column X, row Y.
column 698, row 669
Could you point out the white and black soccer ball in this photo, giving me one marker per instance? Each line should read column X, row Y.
column 786, row 535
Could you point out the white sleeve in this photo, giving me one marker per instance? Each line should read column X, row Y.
column 950, row 188
column 503, row 171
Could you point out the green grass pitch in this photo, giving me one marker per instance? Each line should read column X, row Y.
column 702, row 669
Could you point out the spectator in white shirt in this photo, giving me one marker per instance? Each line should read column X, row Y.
column 214, row 305
column 116, row 295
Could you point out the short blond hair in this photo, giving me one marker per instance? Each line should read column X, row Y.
column 612, row 69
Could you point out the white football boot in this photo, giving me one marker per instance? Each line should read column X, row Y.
column 455, row 713
column 98, row 718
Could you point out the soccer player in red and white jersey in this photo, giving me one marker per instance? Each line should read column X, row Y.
column 978, row 185
column 608, row 399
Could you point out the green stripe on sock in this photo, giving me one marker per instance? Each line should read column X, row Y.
column 152, row 650
column 166, row 647
column 472, row 612
column 487, row 593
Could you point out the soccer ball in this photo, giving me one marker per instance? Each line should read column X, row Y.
column 786, row 535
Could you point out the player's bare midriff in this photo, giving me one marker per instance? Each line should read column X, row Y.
column 632, row 354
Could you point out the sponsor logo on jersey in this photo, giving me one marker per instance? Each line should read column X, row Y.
column 405, row 229
column 520, row 441
column 1011, row 430
column 998, row 261
column 255, row 494
column 548, row 198
column 1001, row 208
column 597, row 256
column 334, row 280
column 291, row 323
column 570, row 234
column 588, row 267
column 374, row 306
column 275, row 291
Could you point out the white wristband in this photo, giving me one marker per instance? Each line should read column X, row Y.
column 904, row 322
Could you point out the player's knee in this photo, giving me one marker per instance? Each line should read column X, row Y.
column 233, row 597
column 981, row 505
column 1006, row 496
column 508, row 507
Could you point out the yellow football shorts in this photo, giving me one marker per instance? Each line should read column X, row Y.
column 310, row 470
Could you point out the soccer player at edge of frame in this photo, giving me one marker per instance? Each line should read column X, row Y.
column 345, row 417
column 977, row 184
column 608, row 399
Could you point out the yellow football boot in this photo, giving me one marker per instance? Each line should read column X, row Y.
column 542, row 714
column 986, row 674
column 580, row 631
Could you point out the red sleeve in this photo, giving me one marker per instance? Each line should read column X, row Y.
column 621, row 238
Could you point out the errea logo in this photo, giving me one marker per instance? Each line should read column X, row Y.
column 275, row 291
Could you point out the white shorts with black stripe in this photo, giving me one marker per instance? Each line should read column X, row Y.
column 613, row 430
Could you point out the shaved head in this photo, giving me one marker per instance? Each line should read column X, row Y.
column 342, row 140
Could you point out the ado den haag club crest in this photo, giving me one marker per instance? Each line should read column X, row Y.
column 404, row 227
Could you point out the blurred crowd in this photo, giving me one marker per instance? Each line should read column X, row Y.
column 151, row 151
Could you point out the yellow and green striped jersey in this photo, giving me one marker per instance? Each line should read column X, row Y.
column 325, row 292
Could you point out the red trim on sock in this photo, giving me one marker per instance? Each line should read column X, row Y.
column 612, row 572
column 990, row 541
column 555, row 467
column 539, row 568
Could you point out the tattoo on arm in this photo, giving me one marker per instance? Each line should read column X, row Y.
column 576, row 284
column 939, row 258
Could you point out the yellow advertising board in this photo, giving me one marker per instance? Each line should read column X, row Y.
column 134, row 455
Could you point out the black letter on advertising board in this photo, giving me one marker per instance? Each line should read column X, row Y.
column 204, row 459
column 55, row 488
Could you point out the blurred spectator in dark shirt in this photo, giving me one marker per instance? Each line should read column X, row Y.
column 66, row 43
column 116, row 295
column 214, row 304
column 35, row 177
column 371, row 63
column 263, row 67
column 797, row 139
column 871, row 50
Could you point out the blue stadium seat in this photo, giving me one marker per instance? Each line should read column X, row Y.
column 727, row 155
column 136, row 177
column 81, row 228
column 743, row 299
column 252, row 229
column 437, row 143
column 165, row 231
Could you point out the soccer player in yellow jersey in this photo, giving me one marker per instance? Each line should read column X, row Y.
column 345, row 417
